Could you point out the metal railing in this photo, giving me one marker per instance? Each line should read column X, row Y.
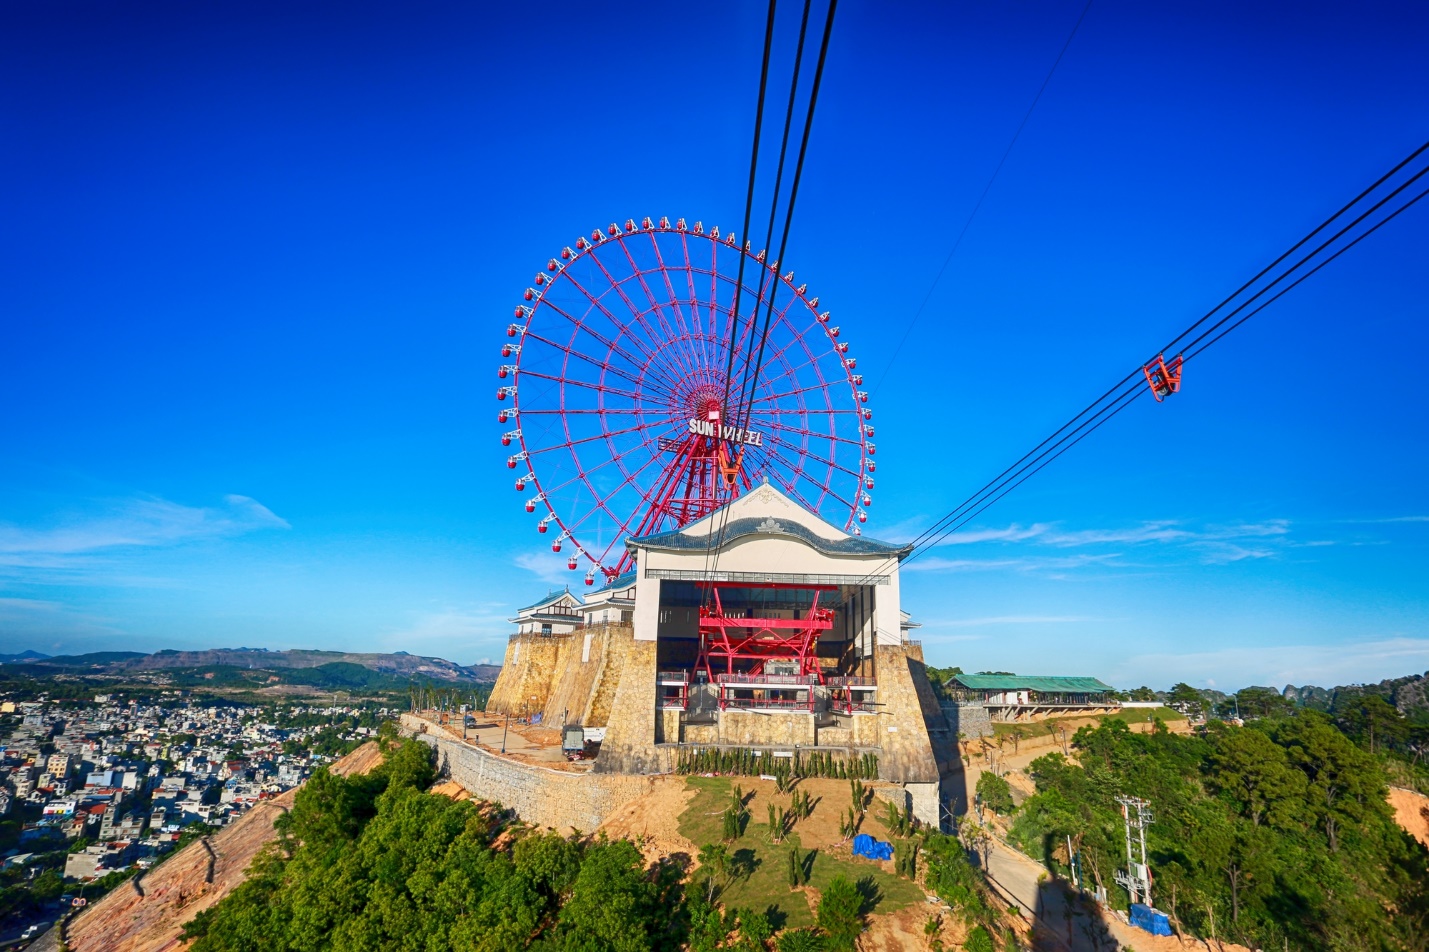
column 794, row 680
column 782, row 578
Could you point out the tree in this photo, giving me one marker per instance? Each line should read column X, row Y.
column 1373, row 721
column 996, row 793
column 841, row 913
column 614, row 906
column 1257, row 702
column 800, row 940
column 1344, row 784
column 1253, row 769
column 714, row 859
column 1187, row 698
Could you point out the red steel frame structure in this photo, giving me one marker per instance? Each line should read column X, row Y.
column 759, row 640
column 614, row 377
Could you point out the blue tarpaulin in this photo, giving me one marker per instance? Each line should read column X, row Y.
column 1149, row 920
column 865, row 845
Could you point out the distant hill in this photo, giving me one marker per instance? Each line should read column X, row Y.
column 23, row 657
column 1410, row 694
column 320, row 668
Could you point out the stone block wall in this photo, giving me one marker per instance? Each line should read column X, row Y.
column 629, row 745
column 527, row 672
column 969, row 718
column 907, row 750
column 559, row 799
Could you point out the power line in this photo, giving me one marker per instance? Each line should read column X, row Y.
column 977, row 206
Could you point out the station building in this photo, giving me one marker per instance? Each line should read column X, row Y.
column 761, row 627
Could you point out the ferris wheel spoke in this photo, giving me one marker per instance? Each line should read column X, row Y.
column 581, row 383
column 814, row 434
column 655, row 305
column 638, row 428
column 605, row 367
column 791, row 486
column 635, row 312
column 789, row 393
column 647, row 352
column 691, row 330
column 820, row 459
column 604, row 342
column 602, row 411
column 602, row 503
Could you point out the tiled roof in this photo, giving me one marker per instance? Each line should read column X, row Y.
column 553, row 596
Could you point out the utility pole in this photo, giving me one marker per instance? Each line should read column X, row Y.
column 1136, row 815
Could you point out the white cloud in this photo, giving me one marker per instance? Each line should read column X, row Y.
column 147, row 521
column 1007, row 620
column 1030, row 563
column 457, row 633
column 550, row 569
column 1277, row 665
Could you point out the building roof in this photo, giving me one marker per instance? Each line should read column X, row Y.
column 553, row 596
column 1031, row 682
column 681, row 541
column 623, row 581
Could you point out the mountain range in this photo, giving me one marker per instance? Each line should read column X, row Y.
column 396, row 665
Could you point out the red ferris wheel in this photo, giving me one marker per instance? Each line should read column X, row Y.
column 614, row 384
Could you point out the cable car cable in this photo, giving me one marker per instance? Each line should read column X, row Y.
column 1130, row 388
column 1133, row 375
column 750, row 378
column 749, row 195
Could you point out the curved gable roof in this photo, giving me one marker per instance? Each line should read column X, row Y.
column 681, row 541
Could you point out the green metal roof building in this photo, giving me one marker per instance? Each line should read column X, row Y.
column 1025, row 690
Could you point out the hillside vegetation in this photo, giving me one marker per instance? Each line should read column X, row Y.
column 1277, row 834
column 377, row 862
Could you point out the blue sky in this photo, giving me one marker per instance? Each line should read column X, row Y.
column 256, row 261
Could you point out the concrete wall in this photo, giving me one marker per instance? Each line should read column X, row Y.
column 559, row 799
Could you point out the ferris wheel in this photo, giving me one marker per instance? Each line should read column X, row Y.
column 614, row 384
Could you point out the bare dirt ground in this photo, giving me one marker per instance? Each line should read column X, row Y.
column 1411, row 811
column 900, row 931
column 148, row 913
column 653, row 821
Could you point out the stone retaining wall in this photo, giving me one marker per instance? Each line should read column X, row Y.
column 556, row 798
column 969, row 718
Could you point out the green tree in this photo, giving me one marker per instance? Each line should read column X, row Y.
column 1373, row 722
column 1254, row 771
column 841, row 913
column 714, row 861
column 800, row 940
column 615, row 905
column 1188, row 697
column 995, row 792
